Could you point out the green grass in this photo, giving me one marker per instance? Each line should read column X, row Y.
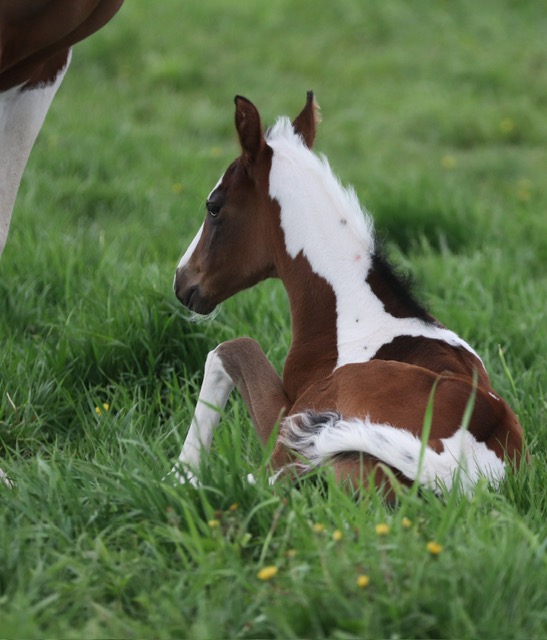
column 435, row 112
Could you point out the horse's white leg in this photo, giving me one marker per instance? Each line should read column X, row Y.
column 215, row 389
column 239, row 363
column 22, row 113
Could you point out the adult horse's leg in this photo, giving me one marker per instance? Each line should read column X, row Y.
column 22, row 113
column 237, row 363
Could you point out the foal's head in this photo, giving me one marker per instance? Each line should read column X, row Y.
column 236, row 244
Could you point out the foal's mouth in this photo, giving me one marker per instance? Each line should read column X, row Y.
column 192, row 299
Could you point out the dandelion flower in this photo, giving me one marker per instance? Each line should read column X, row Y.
column 434, row 548
column 214, row 523
column 506, row 125
column 233, row 507
column 318, row 527
column 337, row 535
column 291, row 553
column 382, row 529
column 362, row 581
column 523, row 189
column 448, row 162
column 267, row 573
column 105, row 407
column 406, row 522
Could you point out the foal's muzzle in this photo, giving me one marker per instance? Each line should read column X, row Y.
column 190, row 294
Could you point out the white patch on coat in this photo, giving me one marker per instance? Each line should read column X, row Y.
column 324, row 220
column 22, row 113
column 319, row 437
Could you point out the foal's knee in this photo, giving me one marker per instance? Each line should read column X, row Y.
column 239, row 348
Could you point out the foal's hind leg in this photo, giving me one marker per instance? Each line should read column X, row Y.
column 357, row 472
column 237, row 363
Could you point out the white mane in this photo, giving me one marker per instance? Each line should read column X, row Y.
column 314, row 204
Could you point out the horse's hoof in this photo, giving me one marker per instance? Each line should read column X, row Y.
column 5, row 479
column 181, row 477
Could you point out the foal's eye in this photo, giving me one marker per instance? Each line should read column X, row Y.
column 213, row 209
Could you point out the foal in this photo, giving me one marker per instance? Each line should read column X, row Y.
column 365, row 356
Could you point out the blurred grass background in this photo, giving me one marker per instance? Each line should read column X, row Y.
column 435, row 112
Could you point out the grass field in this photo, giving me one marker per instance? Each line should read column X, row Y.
column 435, row 112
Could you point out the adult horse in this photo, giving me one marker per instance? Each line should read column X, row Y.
column 366, row 357
column 36, row 37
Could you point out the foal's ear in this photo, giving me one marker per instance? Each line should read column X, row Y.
column 249, row 128
column 305, row 123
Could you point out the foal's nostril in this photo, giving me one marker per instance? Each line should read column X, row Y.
column 185, row 296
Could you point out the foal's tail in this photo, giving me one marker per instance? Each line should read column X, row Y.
column 318, row 437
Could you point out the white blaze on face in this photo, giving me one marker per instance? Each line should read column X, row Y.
column 188, row 253
column 22, row 114
column 325, row 221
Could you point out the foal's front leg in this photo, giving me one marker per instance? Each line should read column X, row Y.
column 237, row 363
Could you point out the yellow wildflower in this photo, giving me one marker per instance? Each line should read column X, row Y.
column 318, row 527
column 523, row 189
column 291, row 553
column 406, row 522
column 214, row 523
column 362, row 581
column 506, row 125
column 434, row 548
column 233, row 507
column 99, row 411
column 448, row 162
column 337, row 535
column 267, row 573
column 382, row 529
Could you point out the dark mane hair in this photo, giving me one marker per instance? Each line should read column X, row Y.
column 400, row 283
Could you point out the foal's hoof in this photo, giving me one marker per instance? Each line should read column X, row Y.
column 182, row 476
column 5, row 479
column 271, row 480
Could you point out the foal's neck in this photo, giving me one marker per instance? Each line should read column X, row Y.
column 313, row 353
column 394, row 290
column 332, row 326
column 349, row 320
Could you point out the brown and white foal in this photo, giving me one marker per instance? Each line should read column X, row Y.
column 35, row 41
column 365, row 356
